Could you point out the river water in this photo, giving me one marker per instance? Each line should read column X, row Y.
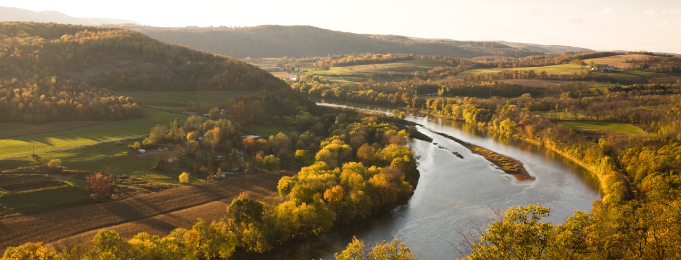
column 452, row 193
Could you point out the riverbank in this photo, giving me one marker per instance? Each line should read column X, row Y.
column 509, row 165
column 602, row 175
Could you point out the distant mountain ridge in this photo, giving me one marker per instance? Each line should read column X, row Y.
column 269, row 41
column 554, row 49
column 11, row 14
column 273, row 41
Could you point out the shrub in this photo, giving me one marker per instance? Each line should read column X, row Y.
column 184, row 177
column 54, row 164
column 135, row 145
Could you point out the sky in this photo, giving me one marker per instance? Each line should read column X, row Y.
column 652, row 25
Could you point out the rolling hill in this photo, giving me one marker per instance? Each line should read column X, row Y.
column 307, row 41
column 58, row 72
column 550, row 49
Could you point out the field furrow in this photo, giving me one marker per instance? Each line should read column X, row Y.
column 155, row 213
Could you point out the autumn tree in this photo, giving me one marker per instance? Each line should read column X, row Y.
column 98, row 185
column 302, row 156
column 357, row 250
column 30, row 251
column 366, row 154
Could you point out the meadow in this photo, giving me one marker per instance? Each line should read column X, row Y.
column 617, row 61
column 552, row 69
column 398, row 67
column 401, row 66
column 611, row 126
column 105, row 131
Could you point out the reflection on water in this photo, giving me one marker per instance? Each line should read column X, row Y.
column 452, row 192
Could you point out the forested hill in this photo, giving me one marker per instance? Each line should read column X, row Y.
column 65, row 72
column 116, row 59
column 307, row 41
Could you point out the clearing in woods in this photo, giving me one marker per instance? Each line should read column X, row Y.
column 617, row 127
column 617, row 61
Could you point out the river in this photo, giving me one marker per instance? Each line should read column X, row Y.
column 452, row 193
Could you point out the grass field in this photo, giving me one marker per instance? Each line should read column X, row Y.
column 170, row 108
column 18, row 127
column 618, row 127
column 184, row 96
column 43, row 197
column 106, row 156
column 269, row 68
column 282, row 74
column 402, row 66
column 86, row 135
column 334, row 71
column 553, row 69
column 617, row 61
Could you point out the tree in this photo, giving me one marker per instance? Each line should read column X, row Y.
column 243, row 209
column 191, row 105
column 109, row 245
column 212, row 241
column 29, row 251
column 366, row 154
column 184, row 177
column 334, row 196
column 157, row 135
column 98, row 185
column 519, row 235
column 395, row 250
column 302, row 156
column 269, row 163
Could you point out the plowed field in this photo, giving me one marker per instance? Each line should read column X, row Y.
column 155, row 213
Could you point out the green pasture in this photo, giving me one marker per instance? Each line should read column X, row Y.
column 269, row 68
column 16, row 127
column 105, row 131
column 402, row 66
column 108, row 157
column 552, row 69
column 184, row 96
column 618, row 127
column 170, row 108
column 15, row 201
column 334, row 71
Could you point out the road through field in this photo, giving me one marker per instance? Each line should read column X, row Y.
column 154, row 213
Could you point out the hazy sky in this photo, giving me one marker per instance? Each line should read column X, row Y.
column 653, row 25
